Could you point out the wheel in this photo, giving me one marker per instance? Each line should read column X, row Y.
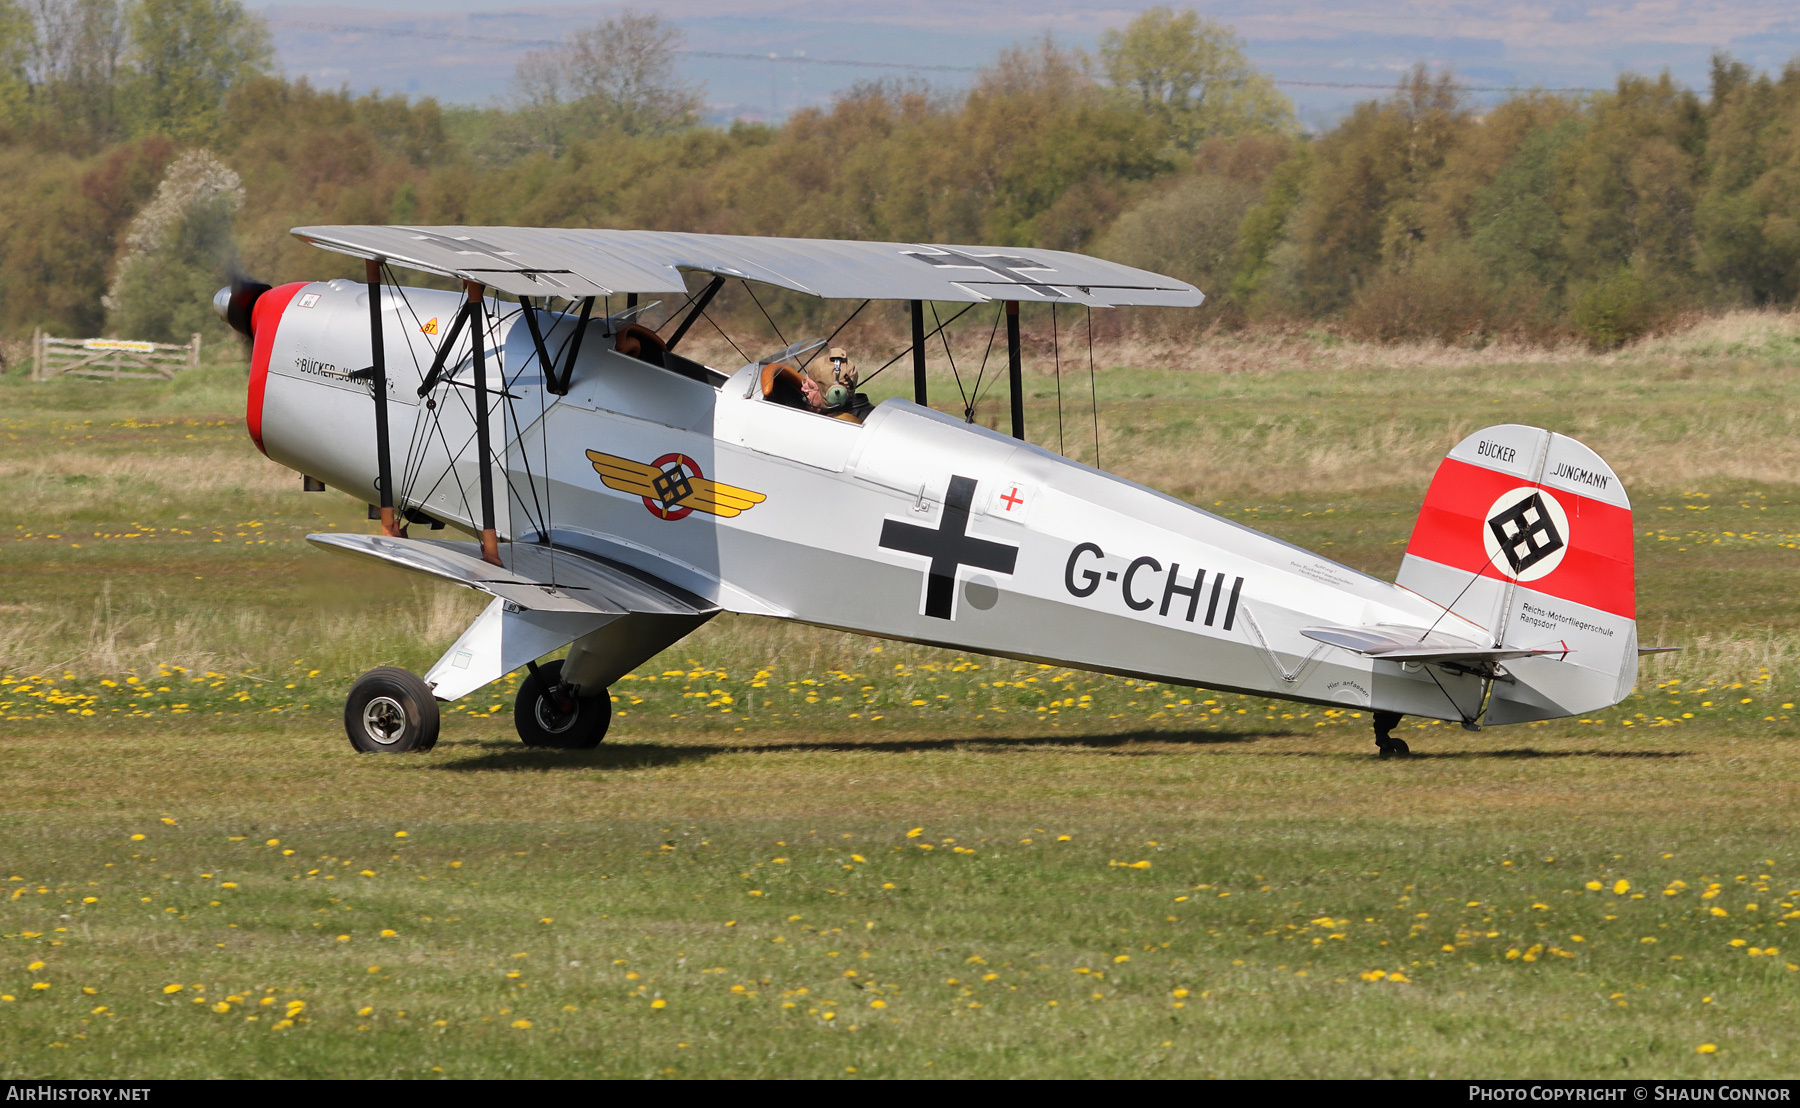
column 541, row 721
column 391, row 710
column 1389, row 746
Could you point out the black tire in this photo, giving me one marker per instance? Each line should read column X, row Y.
column 391, row 711
column 541, row 723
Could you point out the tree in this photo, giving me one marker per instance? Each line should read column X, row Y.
column 1629, row 184
column 1514, row 226
column 1191, row 72
column 75, row 67
column 1746, row 214
column 618, row 75
column 1190, row 232
column 18, row 37
column 179, row 250
column 189, row 54
column 1364, row 207
column 1039, row 153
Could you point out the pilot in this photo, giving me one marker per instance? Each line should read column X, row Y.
column 838, row 397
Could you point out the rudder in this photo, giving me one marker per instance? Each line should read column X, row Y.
column 1528, row 533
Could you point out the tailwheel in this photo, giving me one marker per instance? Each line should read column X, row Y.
column 391, row 710
column 1389, row 746
column 549, row 714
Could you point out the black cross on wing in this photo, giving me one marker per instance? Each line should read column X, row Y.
column 948, row 545
column 1007, row 266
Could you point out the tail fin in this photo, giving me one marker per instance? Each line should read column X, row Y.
column 1528, row 534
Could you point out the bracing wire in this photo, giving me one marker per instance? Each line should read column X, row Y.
column 969, row 411
column 968, row 405
column 715, row 326
column 907, row 349
column 826, row 345
column 764, row 311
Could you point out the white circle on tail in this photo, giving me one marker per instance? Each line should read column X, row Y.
column 1526, row 533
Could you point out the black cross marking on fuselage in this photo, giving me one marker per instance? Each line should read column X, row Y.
column 948, row 545
column 1526, row 533
column 1002, row 265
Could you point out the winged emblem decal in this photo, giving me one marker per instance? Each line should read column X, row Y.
column 672, row 486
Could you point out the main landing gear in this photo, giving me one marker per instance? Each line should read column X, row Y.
column 392, row 711
column 549, row 714
column 1390, row 746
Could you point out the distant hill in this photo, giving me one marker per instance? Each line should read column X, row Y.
column 455, row 49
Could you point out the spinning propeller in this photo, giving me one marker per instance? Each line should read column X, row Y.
column 235, row 302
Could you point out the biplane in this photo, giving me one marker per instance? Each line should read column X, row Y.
column 610, row 493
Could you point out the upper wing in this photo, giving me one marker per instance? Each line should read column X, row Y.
column 549, row 261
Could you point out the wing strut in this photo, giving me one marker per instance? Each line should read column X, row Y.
column 706, row 295
column 1015, row 374
column 556, row 384
column 443, row 351
column 490, row 543
column 384, row 469
column 581, row 326
column 918, row 352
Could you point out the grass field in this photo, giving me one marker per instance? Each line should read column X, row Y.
column 803, row 854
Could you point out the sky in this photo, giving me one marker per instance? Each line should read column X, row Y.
column 464, row 51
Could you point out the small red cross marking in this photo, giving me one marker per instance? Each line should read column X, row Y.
column 1013, row 499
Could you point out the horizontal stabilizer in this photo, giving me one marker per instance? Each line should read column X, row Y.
column 535, row 577
column 1414, row 644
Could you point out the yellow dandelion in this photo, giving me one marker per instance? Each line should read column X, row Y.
column 1707, row 1048
column 659, row 1002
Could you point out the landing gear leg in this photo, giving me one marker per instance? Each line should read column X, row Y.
column 1390, row 747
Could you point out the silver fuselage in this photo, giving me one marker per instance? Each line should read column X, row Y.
column 1108, row 575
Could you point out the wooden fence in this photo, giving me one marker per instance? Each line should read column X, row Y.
column 53, row 357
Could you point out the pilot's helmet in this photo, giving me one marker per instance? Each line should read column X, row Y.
column 836, row 397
